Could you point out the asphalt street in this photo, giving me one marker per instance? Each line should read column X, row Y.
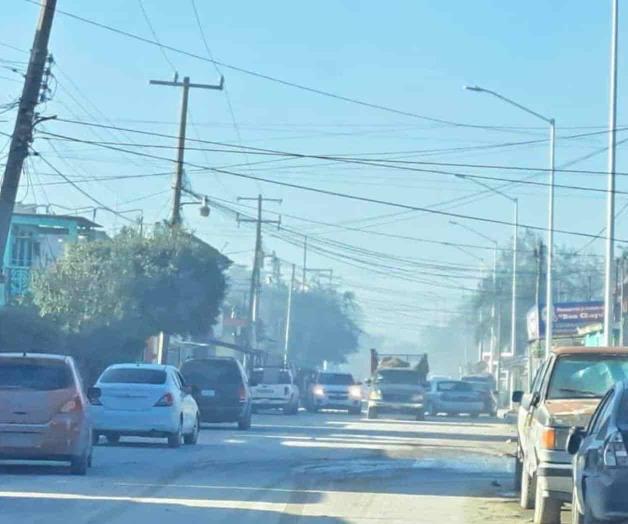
column 309, row 469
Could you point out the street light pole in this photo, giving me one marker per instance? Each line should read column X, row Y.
column 610, row 195
column 549, row 302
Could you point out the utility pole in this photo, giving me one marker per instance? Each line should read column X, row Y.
column 286, row 345
column 304, row 261
column 610, row 195
column 539, row 254
column 175, row 216
column 622, row 277
column 258, row 258
column 24, row 124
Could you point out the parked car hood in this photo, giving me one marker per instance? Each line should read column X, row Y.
column 570, row 412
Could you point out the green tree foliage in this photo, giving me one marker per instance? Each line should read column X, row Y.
column 22, row 329
column 105, row 298
column 169, row 282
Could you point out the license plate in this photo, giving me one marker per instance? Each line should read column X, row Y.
column 20, row 440
column 208, row 393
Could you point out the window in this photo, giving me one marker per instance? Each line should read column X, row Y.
column 211, row 373
column 136, row 375
column 453, row 385
column 271, row 376
column 586, row 376
column 335, row 379
column 37, row 375
column 601, row 414
column 22, row 249
column 398, row 376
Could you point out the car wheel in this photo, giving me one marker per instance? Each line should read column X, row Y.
column 79, row 465
column 174, row 440
column 420, row 415
column 546, row 509
column 528, row 489
column 474, row 415
column 245, row 423
column 192, row 438
column 371, row 413
column 113, row 438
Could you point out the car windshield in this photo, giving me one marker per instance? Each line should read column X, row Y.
column 398, row 376
column 586, row 376
column 270, row 376
column 454, row 386
column 211, row 373
column 42, row 376
column 136, row 375
column 335, row 379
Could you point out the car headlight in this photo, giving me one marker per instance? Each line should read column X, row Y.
column 319, row 391
column 375, row 394
column 355, row 392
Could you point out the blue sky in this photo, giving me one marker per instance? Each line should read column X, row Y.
column 412, row 55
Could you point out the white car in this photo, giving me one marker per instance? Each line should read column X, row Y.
column 274, row 388
column 334, row 391
column 144, row 400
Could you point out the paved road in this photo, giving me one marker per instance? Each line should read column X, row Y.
column 307, row 469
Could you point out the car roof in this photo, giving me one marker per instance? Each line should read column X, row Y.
column 575, row 350
column 141, row 365
column 39, row 356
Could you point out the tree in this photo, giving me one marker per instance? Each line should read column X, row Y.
column 132, row 286
column 22, row 329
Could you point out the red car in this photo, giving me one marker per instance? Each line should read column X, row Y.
column 43, row 411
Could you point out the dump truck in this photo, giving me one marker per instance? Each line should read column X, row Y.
column 397, row 386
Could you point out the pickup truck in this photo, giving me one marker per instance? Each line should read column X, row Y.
column 274, row 388
column 397, row 390
column 565, row 391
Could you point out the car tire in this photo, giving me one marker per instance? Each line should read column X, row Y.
column 474, row 415
column 244, row 424
column 174, row 440
column 420, row 415
column 372, row 413
column 546, row 509
column 113, row 438
column 528, row 489
column 355, row 411
column 192, row 438
column 79, row 465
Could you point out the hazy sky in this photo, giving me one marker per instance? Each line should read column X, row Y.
column 414, row 56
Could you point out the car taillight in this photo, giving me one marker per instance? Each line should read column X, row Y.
column 72, row 406
column 242, row 393
column 615, row 454
column 548, row 438
column 165, row 401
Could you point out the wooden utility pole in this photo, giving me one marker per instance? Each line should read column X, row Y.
column 304, row 262
column 24, row 123
column 175, row 216
column 286, row 345
column 258, row 258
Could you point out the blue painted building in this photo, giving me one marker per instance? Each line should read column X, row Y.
column 36, row 241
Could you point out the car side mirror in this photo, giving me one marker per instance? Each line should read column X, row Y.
column 93, row 394
column 517, row 396
column 574, row 439
column 535, row 399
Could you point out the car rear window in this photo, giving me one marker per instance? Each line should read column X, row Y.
column 335, row 379
column 38, row 375
column 211, row 373
column 133, row 376
column 454, row 386
column 586, row 376
column 270, row 376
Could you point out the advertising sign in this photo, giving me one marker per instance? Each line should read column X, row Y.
column 567, row 317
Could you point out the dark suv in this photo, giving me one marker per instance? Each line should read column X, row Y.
column 220, row 388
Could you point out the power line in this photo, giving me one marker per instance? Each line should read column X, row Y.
column 154, row 33
column 340, row 194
